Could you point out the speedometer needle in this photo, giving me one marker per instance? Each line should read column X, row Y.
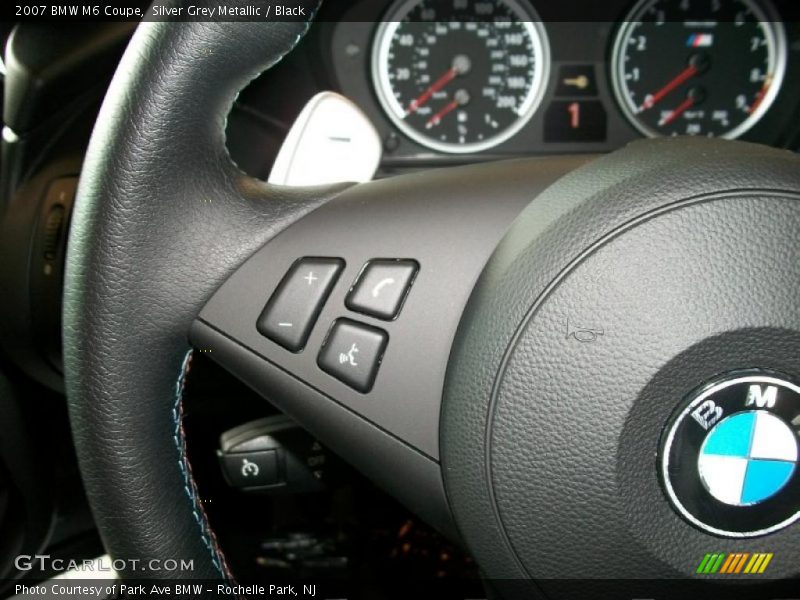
column 651, row 101
column 448, row 76
column 436, row 118
column 677, row 112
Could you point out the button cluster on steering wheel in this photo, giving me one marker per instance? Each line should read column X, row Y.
column 352, row 351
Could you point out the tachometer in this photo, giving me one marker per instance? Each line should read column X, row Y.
column 461, row 76
column 698, row 67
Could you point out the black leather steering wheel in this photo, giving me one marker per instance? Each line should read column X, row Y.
column 563, row 309
column 163, row 207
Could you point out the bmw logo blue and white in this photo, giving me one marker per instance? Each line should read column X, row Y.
column 729, row 460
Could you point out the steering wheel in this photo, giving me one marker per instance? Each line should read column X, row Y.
column 564, row 314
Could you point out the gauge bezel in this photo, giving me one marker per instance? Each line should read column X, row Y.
column 380, row 78
column 776, row 35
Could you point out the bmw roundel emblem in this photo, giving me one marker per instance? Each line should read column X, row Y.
column 729, row 460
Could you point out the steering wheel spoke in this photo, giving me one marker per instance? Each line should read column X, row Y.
column 346, row 319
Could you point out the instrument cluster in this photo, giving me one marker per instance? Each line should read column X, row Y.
column 502, row 77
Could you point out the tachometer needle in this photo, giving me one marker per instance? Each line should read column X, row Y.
column 436, row 118
column 684, row 75
column 760, row 95
column 677, row 112
column 449, row 75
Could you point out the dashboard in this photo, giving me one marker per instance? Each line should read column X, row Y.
column 465, row 80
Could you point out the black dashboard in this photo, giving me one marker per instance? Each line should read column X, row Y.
column 468, row 80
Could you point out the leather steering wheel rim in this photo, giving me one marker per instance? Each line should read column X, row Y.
column 160, row 201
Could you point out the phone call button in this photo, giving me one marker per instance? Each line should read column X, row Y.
column 381, row 288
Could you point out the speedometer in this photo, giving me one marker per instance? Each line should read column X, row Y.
column 698, row 67
column 460, row 76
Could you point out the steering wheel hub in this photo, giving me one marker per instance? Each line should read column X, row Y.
column 618, row 292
